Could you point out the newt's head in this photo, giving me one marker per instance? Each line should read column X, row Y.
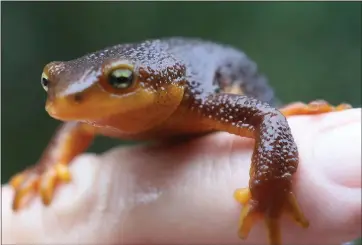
column 120, row 80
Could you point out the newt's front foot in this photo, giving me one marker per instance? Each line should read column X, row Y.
column 37, row 180
column 70, row 140
column 252, row 211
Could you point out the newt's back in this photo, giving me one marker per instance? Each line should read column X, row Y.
column 213, row 68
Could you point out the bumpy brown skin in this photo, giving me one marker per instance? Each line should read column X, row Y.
column 179, row 88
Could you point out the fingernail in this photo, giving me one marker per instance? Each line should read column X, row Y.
column 339, row 151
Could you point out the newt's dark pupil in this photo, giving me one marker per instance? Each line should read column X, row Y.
column 121, row 78
column 44, row 81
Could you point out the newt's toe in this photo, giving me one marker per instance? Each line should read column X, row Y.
column 314, row 107
column 24, row 184
column 292, row 208
column 33, row 182
column 322, row 106
column 50, row 178
column 343, row 106
column 249, row 214
column 252, row 211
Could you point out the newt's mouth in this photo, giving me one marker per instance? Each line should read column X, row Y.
column 80, row 107
column 62, row 108
column 53, row 109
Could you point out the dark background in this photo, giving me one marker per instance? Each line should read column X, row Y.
column 308, row 51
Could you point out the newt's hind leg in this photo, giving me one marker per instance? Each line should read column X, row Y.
column 70, row 140
column 253, row 211
column 314, row 107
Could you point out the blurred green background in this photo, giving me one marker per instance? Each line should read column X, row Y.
column 308, row 51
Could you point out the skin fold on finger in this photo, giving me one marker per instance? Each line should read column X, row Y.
column 183, row 193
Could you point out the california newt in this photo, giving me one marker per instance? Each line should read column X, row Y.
column 159, row 89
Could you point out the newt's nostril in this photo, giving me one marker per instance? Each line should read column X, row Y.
column 78, row 98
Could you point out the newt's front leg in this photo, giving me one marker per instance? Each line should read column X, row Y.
column 274, row 160
column 71, row 139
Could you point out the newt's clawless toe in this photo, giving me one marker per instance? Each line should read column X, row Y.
column 253, row 211
column 52, row 169
column 36, row 180
column 314, row 107
column 170, row 87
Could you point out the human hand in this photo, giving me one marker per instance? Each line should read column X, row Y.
column 184, row 194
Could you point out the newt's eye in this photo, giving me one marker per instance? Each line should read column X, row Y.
column 120, row 78
column 44, row 81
